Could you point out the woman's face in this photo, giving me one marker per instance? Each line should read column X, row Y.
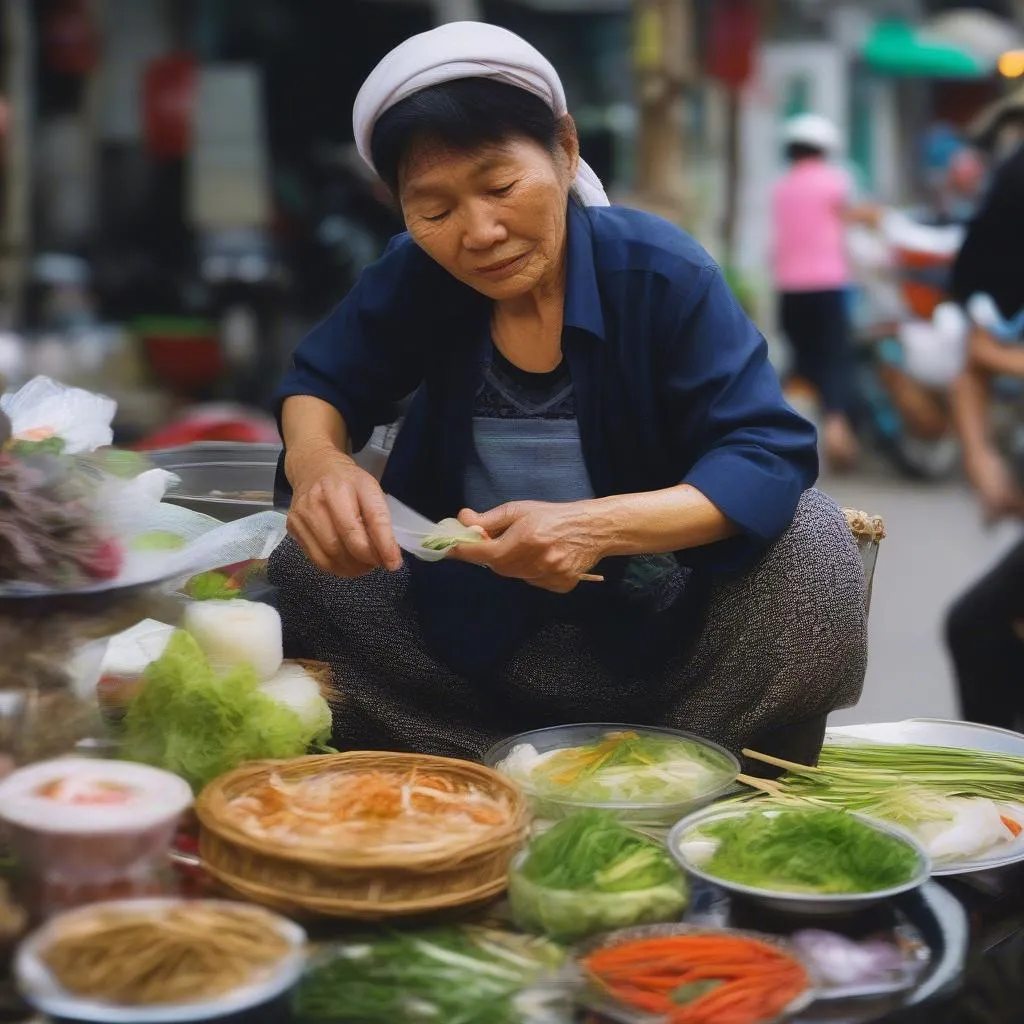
column 494, row 218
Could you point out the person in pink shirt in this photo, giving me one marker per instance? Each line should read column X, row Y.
column 810, row 209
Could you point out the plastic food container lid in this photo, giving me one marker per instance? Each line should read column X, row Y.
column 81, row 795
column 41, row 989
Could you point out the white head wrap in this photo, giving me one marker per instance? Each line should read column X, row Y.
column 463, row 49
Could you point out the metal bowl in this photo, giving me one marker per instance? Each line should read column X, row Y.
column 610, row 1009
column 794, row 902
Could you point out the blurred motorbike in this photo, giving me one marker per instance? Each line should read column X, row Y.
column 911, row 341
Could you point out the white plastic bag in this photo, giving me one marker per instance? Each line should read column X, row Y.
column 43, row 408
column 123, row 504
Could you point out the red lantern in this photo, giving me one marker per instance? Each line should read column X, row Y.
column 734, row 32
column 168, row 89
column 69, row 41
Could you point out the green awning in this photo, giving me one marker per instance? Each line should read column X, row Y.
column 894, row 48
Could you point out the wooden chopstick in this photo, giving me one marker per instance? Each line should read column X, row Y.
column 589, row 577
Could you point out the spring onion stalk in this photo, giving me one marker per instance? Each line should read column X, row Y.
column 454, row 975
column 899, row 783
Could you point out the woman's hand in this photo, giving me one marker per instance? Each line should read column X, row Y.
column 339, row 516
column 547, row 544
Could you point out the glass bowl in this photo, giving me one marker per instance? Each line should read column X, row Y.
column 653, row 815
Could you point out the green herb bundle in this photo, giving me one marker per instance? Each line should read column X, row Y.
column 590, row 873
column 593, row 851
column 907, row 784
column 451, row 975
column 808, row 851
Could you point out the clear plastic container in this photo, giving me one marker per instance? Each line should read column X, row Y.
column 653, row 816
column 567, row 915
column 87, row 829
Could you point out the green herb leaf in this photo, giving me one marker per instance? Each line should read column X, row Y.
column 812, row 851
column 211, row 586
column 450, row 975
column 694, row 990
column 158, row 540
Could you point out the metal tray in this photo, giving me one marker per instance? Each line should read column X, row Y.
column 935, row 915
column 232, row 479
column 938, row 732
column 210, row 472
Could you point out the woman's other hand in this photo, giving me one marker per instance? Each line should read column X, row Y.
column 339, row 516
column 546, row 544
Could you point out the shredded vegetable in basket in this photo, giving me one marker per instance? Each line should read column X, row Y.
column 809, row 851
column 443, row 976
column 411, row 811
column 620, row 767
column 589, row 873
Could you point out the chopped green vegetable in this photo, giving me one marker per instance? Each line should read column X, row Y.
column 809, row 851
column 445, row 541
column 188, row 720
column 158, row 540
column 441, row 543
column 693, row 990
column 442, row 976
column 590, row 873
column 212, row 586
column 52, row 445
column 591, row 850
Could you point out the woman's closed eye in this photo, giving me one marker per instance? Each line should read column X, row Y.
column 503, row 190
column 436, row 218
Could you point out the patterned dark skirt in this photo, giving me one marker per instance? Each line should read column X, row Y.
column 781, row 645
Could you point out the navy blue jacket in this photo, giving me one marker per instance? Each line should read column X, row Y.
column 672, row 380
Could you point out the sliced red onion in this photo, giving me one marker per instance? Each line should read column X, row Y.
column 842, row 961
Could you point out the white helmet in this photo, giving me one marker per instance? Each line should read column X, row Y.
column 812, row 130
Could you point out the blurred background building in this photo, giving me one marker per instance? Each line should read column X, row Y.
column 180, row 194
column 180, row 198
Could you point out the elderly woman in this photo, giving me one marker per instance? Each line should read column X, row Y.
column 591, row 396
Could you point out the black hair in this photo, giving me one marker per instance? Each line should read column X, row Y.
column 461, row 115
column 802, row 151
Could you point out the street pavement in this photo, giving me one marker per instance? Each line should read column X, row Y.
column 935, row 546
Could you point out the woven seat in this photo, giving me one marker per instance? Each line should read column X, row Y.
column 869, row 532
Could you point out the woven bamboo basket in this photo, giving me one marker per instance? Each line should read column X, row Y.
column 868, row 531
column 358, row 883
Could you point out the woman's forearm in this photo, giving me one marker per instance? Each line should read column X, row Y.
column 311, row 428
column 658, row 522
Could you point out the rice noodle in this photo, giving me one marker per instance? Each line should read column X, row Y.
column 139, row 957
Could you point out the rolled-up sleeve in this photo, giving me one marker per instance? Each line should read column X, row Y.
column 370, row 352
column 749, row 453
